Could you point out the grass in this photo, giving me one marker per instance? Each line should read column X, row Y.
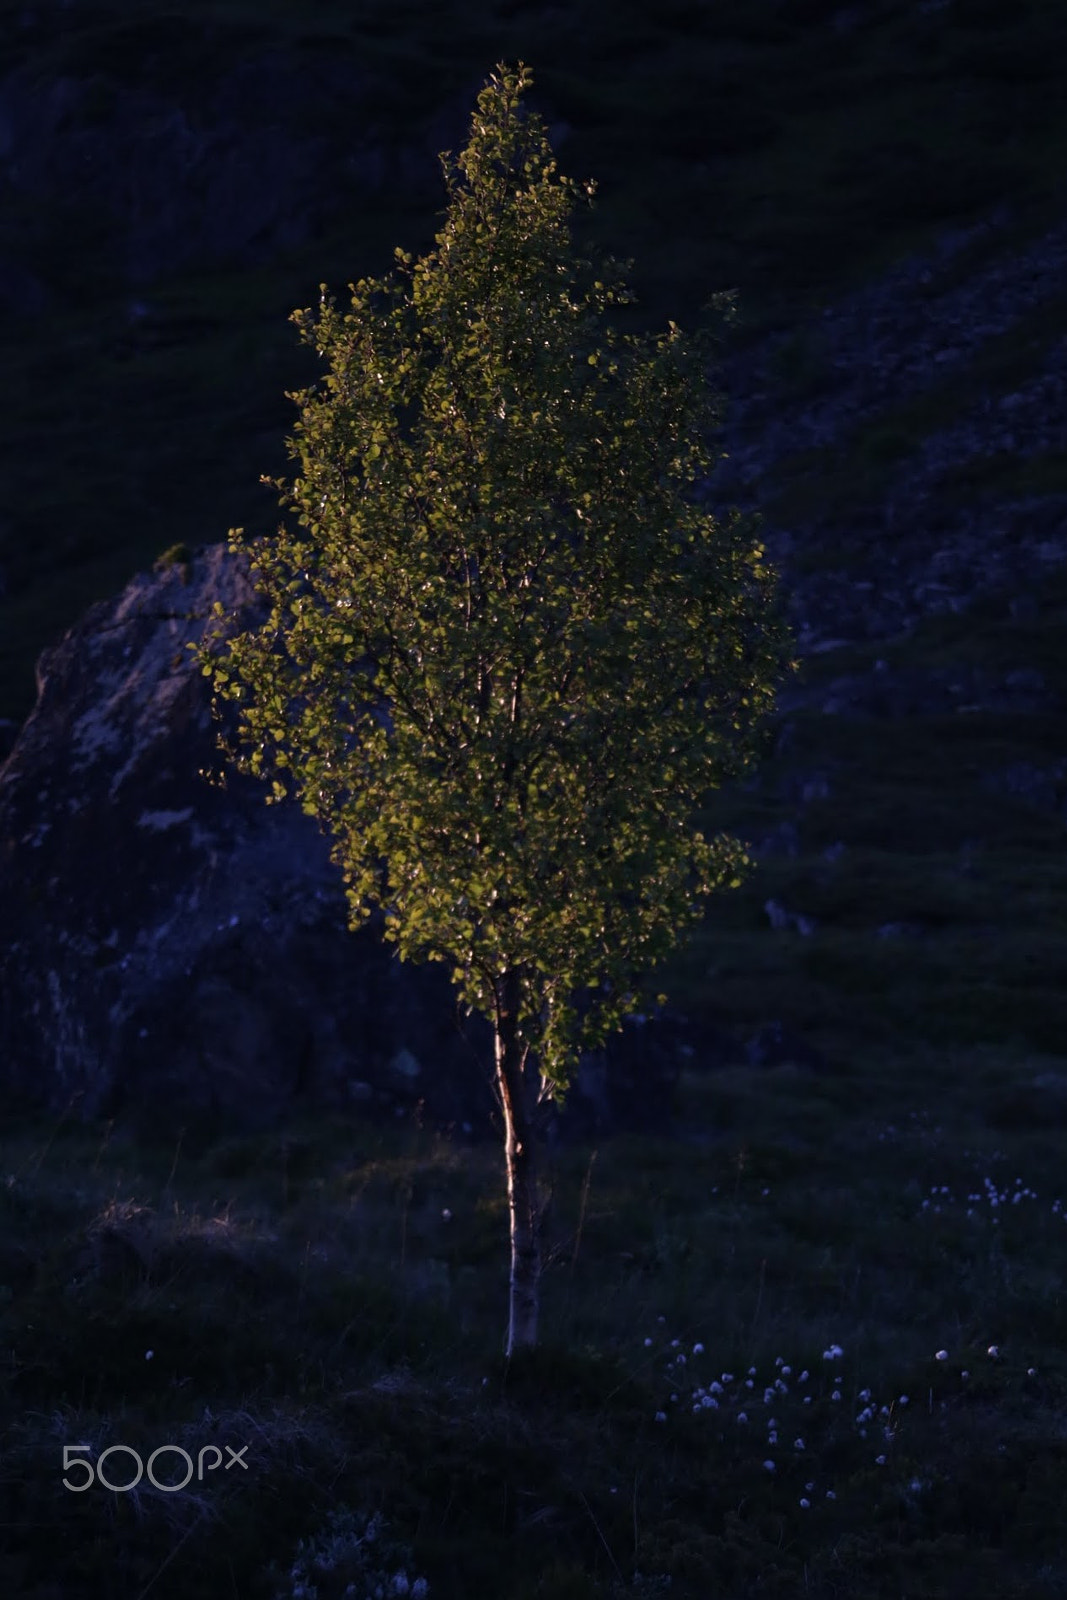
column 334, row 1303
column 934, row 893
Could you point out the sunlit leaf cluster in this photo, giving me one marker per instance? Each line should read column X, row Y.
column 508, row 650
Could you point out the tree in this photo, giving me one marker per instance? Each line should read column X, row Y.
column 508, row 652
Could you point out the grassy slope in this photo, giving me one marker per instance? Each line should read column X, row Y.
column 976, row 875
column 334, row 1301
column 796, row 1217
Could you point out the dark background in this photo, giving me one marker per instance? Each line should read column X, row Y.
column 175, row 179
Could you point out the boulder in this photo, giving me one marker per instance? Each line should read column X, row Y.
column 775, row 1045
column 175, row 950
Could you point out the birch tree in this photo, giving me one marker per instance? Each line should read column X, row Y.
column 508, row 651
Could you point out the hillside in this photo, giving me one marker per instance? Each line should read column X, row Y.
column 175, row 183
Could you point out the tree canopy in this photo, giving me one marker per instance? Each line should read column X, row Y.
column 508, row 649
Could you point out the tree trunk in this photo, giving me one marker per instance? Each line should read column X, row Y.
column 523, row 1207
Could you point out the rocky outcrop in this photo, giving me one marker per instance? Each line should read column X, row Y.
column 814, row 394
column 176, row 949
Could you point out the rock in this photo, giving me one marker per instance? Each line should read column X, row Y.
column 655, row 1045
column 783, row 840
column 891, row 694
column 177, row 951
column 801, row 788
column 779, row 916
column 1027, row 681
column 774, row 1045
column 1041, row 787
column 780, row 919
column 912, row 551
column 8, row 734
